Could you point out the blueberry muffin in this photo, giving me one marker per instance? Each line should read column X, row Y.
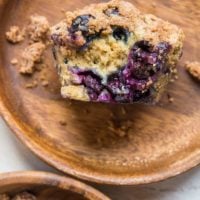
column 111, row 52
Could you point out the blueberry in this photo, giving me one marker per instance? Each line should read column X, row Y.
column 88, row 79
column 124, row 98
column 163, row 48
column 146, row 60
column 93, row 83
column 111, row 11
column 57, row 40
column 141, row 96
column 80, row 23
column 65, row 60
column 105, row 96
column 120, row 33
column 92, row 94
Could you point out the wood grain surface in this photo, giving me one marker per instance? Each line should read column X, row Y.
column 160, row 141
column 47, row 186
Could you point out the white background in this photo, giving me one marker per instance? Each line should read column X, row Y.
column 15, row 157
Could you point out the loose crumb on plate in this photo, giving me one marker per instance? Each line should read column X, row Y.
column 31, row 85
column 154, row 4
column 63, row 123
column 38, row 28
column 40, row 66
column 14, row 61
column 30, row 56
column 45, row 83
column 15, row 34
column 170, row 98
column 193, row 69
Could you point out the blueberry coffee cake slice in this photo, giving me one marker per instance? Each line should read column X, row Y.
column 111, row 52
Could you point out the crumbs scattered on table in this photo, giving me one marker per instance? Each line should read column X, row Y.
column 15, row 34
column 193, row 69
column 14, row 61
column 63, row 123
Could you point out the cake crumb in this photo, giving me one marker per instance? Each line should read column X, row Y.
column 193, row 69
column 38, row 28
column 170, row 98
column 63, row 10
column 154, row 4
column 4, row 197
column 63, row 123
column 42, row 78
column 176, row 77
column 120, row 130
column 14, row 61
column 30, row 56
column 15, row 34
column 123, row 111
column 31, row 85
column 45, row 83
column 39, row 67
column 24, row 196
column 172, row 80
column 86, row 111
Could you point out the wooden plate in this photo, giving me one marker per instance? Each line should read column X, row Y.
column 47, row 186
column 160, row 142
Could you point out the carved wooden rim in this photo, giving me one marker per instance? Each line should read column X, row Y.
column 49, row 179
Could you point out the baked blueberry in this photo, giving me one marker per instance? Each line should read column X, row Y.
column 80, row 23
column 112, row 11
column 120, row 33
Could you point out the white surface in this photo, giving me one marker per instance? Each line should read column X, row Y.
column 15, row 157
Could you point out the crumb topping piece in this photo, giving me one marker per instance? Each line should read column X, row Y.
column 14, row 61
column 15, row 34
column 38, row 28
column 34, row 84
column 63, row 123
column 30, row 56
column 45, row 83
column 193, row 69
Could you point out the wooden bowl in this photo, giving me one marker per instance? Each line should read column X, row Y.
column 113, row 144
column 47, row 186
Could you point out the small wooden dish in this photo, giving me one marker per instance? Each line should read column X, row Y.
column 113, row 144
column 47, row 186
